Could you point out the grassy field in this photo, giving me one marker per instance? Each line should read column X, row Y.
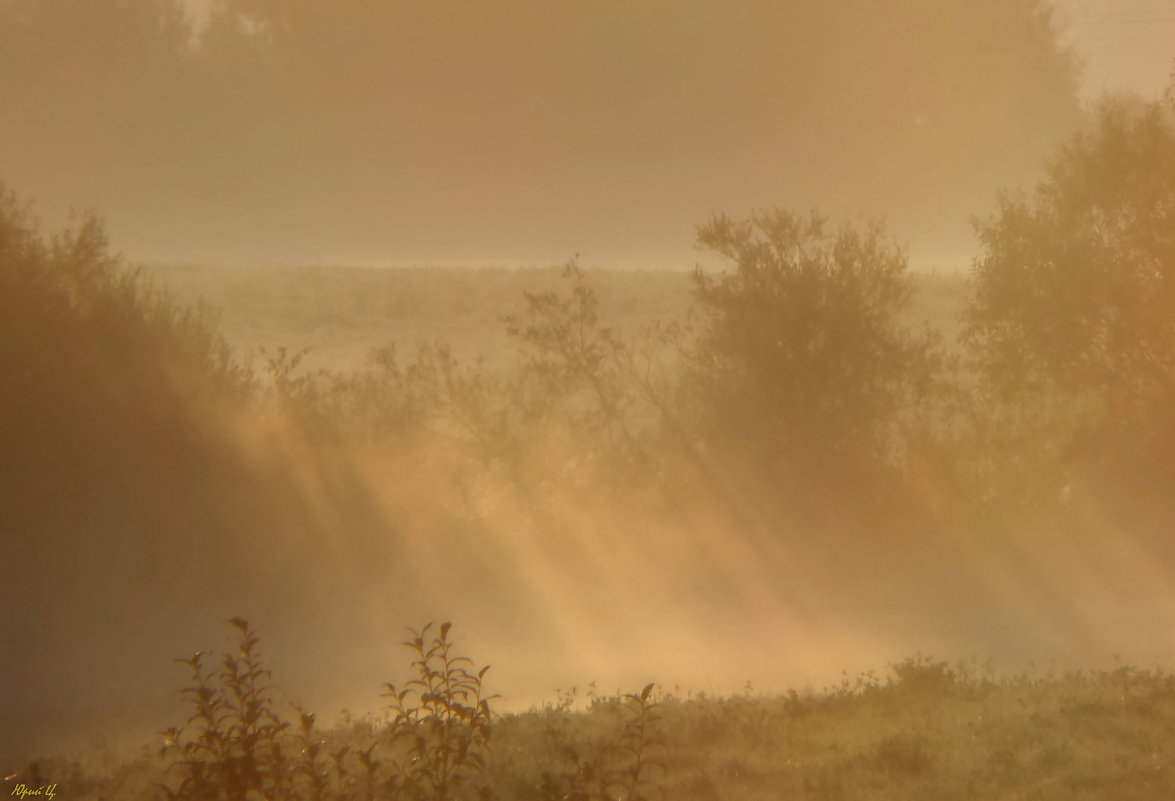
column 340, row 313
column 920, row 729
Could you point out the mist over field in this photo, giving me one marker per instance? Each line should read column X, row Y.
column 931, row 416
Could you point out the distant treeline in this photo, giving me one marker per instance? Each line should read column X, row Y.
column 796, row 390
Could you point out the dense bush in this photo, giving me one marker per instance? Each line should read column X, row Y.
column 1072, row 311
column 127, row 488
column 103, row 375
column 803, row 366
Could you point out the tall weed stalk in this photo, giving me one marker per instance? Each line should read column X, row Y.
column 444, row 716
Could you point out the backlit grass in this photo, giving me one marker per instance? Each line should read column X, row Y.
column 921, row 729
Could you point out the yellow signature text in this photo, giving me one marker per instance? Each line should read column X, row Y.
column 24, row 791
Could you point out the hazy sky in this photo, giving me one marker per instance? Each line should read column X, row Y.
column 1128, row 43
column 520, row 132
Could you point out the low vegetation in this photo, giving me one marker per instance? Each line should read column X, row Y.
column 923, row 729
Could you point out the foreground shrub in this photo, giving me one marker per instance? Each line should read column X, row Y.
column 443, row 716
column 237, row 744
column 435, row 744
